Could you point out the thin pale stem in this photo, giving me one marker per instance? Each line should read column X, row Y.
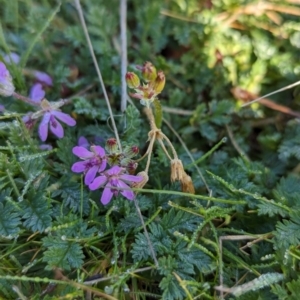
column 148, row 112
column 87, row 36
column 25, row 99
column 150, row 148
column 235, row 144
column 272, row 93
column 171, row 146
column 123, row 16
column 164, row 148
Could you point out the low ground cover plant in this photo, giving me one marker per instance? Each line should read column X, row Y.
column 169, row 179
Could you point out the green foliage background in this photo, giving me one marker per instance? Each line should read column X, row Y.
column 55, row 234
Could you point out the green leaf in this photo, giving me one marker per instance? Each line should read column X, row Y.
column 9, row 220
column 179, row 220
column 36, row 212
column 61, row 253
column 288, row 231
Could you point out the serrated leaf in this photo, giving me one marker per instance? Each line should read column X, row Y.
column 9, row 220
column 62, row 253
column 36, row 212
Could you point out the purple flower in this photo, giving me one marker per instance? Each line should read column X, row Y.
column 43, row 77
column 93, row 161
column 112, row 178
column 83, row 142
column 37, row 93
column 12, row 58
column 50, row 120
column 6, row 86
column 40, row 76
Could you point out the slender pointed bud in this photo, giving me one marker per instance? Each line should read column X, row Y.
column 28, row 121
column 132, row 80
column 7, row 87
column 140, row 185
column 111, row 145
column 177, row 170
column 131, row 151
column 131, row 167
column 187, row 185
column 149, row 71
column 159, row 82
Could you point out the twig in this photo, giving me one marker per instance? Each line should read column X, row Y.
column 235, row 144
column 275, row 92
column 83, row 91
column 123, row 17
column 84, row 27
column 25, row 99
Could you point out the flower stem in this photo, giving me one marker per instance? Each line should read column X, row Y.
column 150, row 148
column 164, row 148
column 25, row 99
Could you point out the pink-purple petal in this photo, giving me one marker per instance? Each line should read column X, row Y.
column 115, row 170
column 106, row 195
column 131, row 178
column 102, row 166
column 98, row 181
column 43, row 77
column 56, row 128
column 82, row 152
column 99, row 150
column 37, row 93
column 12, row 58
column 90, row 175
column 83, row 142
column 65, row 118
column 43, row 127
column 126, row 193
column 79, row 167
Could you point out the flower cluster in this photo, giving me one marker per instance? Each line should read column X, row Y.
column 154, row 83
column 48, row 111
column 114, row 180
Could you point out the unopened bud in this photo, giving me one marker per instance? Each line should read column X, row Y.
column 140, row 185
column 7, row 87
column 131, row 167
column 132, row 80
column 149, row 71
column 111, row 145
column 131, row 151
column 177, row 170
column 28, row 121
column 187, row 184
column 159, row 82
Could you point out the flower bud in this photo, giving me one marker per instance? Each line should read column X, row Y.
column 140, row 185
column 6, row 85
column 111, row 145
column 28, row 121
column 132, row 80
column 149, row 71
column 177, row 170
column 159, row 82
column 131, row 151
column 131, row 167
column 187, row 184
